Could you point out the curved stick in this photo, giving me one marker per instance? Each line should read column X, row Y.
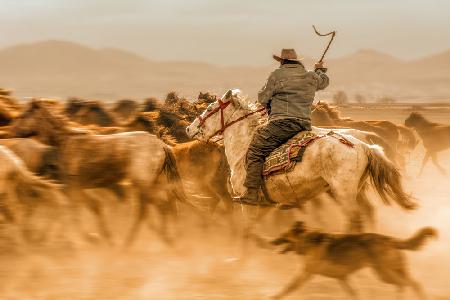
column 332, row 33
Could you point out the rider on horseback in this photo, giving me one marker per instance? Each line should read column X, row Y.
column 288, row 95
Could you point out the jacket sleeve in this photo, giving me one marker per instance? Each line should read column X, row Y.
column 266, row 93
column 322, row 79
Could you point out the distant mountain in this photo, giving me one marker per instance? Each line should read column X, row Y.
column 62, row 69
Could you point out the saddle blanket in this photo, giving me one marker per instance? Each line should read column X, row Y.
column 284, row 158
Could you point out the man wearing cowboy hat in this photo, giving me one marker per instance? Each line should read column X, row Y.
column 288, row 95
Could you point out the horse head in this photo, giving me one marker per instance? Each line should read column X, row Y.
column 37, row 120
column 415, row 119
column 27, row 124
column 217, row 115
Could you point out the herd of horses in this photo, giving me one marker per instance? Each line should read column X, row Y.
column 58, row 155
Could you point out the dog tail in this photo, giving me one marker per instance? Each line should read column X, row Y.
column 417, row 240
column 386, row 179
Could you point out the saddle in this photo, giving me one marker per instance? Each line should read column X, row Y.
column 284, row 158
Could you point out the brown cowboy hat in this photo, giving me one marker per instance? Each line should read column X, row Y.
column 287, row 54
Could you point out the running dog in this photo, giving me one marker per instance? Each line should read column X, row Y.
column 339, row 255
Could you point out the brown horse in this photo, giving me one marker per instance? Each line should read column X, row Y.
column 38, row 157
column 435, row 137
column 103, row 161
column 205, row 165
column 400, row 139
column 125, row 109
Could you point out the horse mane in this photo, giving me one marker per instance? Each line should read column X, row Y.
column 51, row 123
column 50, row 116
column 125, row 108
column 6, row 115
column 146, row 120
column 73, row 105
column 128, row 104
column 151, row 104
column 248, row 106
column 332, row 112
column 94, row 112
column 417, row 116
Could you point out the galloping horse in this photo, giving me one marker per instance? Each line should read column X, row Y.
column 327, row 165
column 435, row 137
column 22, row 193
column 89, row 161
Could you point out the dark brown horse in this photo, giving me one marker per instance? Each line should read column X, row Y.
column 435, row 137
column 103, row 161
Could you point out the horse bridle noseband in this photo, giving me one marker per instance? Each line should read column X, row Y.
column 224, row 125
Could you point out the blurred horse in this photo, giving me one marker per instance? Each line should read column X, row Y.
column 435, row 137
column 22, row 193
column 39, row 158
column 400, row 139
column 88, row 161
column 205, row 164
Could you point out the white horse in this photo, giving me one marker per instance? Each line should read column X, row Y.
column 328, row 165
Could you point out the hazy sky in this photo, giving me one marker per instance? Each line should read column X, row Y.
column 231, row 31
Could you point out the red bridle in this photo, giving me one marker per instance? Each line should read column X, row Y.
column 221, row 108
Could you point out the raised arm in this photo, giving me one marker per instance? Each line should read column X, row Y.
column 322, row 79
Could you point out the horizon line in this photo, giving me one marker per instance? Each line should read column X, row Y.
column 132, row 52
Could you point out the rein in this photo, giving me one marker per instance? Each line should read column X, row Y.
column 224, row 125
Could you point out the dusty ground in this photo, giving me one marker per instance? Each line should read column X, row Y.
column 208, row 264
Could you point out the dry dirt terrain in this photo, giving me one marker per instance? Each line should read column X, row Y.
column 208, row 262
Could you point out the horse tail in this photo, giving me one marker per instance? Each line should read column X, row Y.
column 386, row 178
column 170, row 169
column 390, row 153
column 417, row 240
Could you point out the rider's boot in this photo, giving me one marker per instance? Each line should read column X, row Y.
column 251, row 197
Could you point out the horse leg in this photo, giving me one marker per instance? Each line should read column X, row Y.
column 317, row 205
column 77, row 196
column 166, row 210
column 27, row 228
column 218, row 196
column 424, row 161
column 436, row 163
column 142, row 212
column 348, row 201
column 366, row 207
column 96, row 208
column 348, row 288
column 4, row 209
column 215, row 198
column 251, row 222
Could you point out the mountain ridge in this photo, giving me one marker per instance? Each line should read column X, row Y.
column 62, row 68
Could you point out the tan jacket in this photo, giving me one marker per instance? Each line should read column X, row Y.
column 290, row 90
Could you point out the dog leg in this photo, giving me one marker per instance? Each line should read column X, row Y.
column 347, row 288
column 436, row 163
column 417, row 288
column 400, row 292
column 424, row 162
column 295, row 283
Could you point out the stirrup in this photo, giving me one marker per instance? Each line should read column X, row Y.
column 288, row 206
column 261, row 202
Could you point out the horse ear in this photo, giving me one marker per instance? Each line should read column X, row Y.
column 298, row 227
column 35, row 103
column 228, row 95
